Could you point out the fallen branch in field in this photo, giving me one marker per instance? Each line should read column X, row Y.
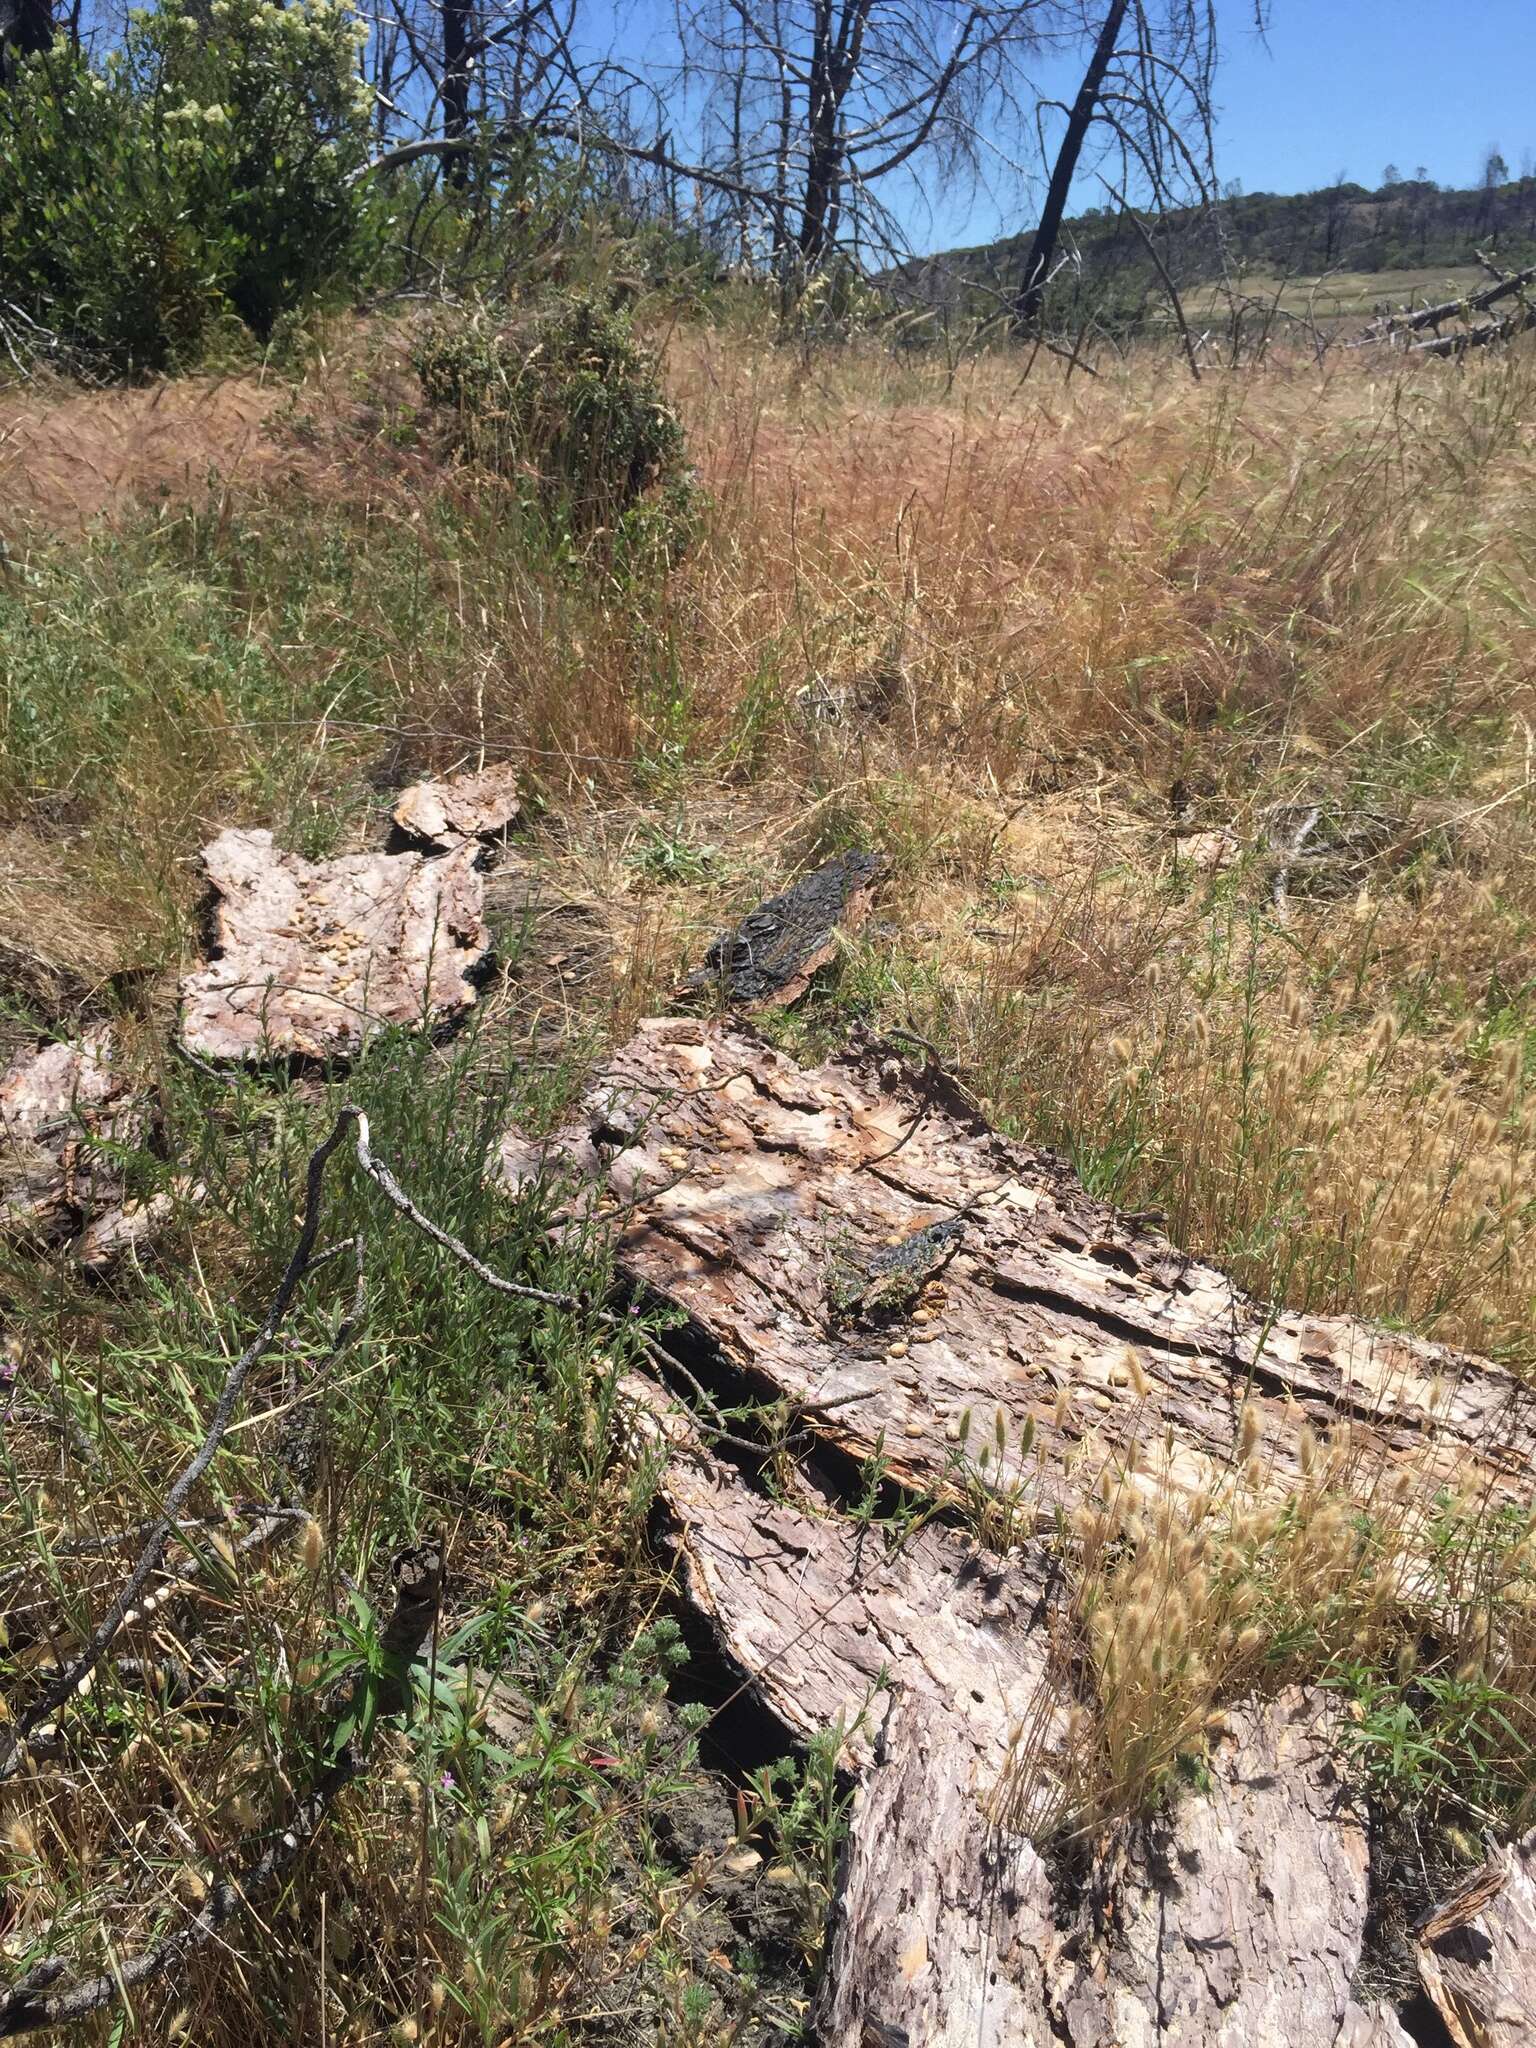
column 1391, row 324
column 44, row 1999
column 1477, row 337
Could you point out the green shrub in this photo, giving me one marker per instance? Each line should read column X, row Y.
column 567, row 404
column 198, row 181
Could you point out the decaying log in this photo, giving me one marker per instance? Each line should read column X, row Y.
column 1477, row 1954
column 1503, row 287
column 777, row 949
column 1237, row 1922
column 1240, row 1918
column 943, row 1931
column 57, row 1105
column 757, row 1188
column 822, row 1617
column 312, row 957
column 460, row 807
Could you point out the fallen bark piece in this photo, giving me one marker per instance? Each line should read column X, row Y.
column 313, row 957
column 459, row 807
column 823, row 1616
column 1240, row 1919
column 56, row 1105
column 762, row 1197
column 132, row 1226
column 1477, row 1954
column 777, row 949
column 943, row 1927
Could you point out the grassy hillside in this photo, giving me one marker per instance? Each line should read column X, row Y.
column 1392, row 246
column 1131, row 632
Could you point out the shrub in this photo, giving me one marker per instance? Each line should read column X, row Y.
column 201, row 177
column 567, row 403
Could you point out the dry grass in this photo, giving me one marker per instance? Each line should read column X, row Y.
column 1098, row 619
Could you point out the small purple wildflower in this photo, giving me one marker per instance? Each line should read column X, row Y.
column 447, row 1781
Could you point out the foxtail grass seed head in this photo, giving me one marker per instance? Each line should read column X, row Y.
column 313, row 1545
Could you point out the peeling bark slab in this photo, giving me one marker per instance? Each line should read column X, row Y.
column 822, row 1617
column 1240, row 1920
column 1237, row 1923
column 758, row 1187
column 313, row 957
column 54, row 1103
column 775, row 952
column 943, row 1930
column 457, row 808
column 1477, row 1954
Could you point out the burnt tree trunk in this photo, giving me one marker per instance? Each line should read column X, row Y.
column 1037, row 266
column 457, row 67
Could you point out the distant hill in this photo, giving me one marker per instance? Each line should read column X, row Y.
column 1412, row 226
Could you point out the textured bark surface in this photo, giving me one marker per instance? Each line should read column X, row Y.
column 460, row 807
column 824, row 1618
column 1477, row 1954
column 778, row 948
column 54, row 1102
column 1237, row 1923
column 854, row 1239
column 1239, row 1920
column 312, row 957
column 758, row 1187
column 944, row 1928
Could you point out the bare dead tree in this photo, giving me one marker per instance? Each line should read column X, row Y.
column 1146, row 95
column 816, row 104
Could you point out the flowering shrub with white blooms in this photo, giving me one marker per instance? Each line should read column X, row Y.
column 200, row 177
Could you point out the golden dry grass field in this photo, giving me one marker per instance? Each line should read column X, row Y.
column 1198, row 725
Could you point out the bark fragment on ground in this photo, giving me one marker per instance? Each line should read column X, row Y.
column 447, row 812
column 58, row 1105
column 1477, row 1954
column 764, row 1193
column 313, row 957
column 775, row 952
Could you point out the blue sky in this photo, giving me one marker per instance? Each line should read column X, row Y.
column 1335, row 85
column 1351, row 85
column 1358, row 84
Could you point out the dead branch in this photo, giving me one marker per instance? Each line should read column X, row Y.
column 1448, row 309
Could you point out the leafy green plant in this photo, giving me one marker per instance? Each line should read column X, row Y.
column 567, row 404
column 198, row 182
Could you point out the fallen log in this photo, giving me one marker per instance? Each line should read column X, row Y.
column 1237, row 1921
column 758, row 1198
column 1448, row 309
column 1477, row 1954
column 312, row 957
column 855, row 1245
column 824, row 1616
